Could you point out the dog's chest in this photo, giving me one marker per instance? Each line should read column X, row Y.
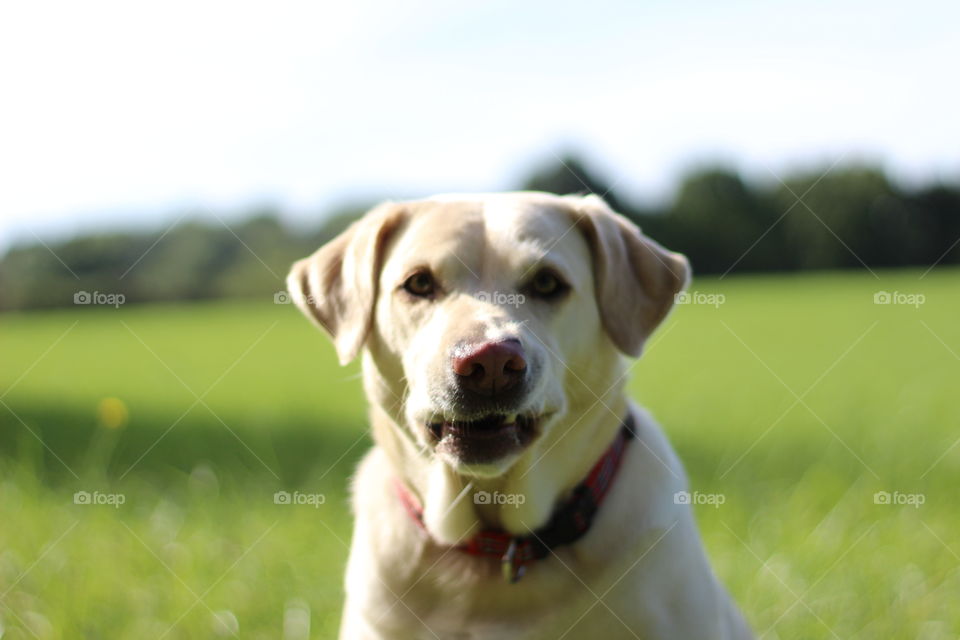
column 454, row 600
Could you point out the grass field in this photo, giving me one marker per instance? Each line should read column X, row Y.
column 797, row 399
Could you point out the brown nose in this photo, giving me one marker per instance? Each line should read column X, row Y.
column 489, row 367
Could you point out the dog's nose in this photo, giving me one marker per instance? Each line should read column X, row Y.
column 489, row 367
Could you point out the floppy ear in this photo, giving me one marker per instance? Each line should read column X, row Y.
column 636, row 279
column 336, row 287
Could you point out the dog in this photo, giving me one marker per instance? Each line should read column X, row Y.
column 513, row 491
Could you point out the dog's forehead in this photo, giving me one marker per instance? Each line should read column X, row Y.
column 501, row 218
column 527, row 219
column 474, row 234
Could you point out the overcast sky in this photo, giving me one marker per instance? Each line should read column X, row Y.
column 130, row 112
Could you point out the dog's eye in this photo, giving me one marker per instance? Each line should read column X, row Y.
column 420, row 284
column 547, row 284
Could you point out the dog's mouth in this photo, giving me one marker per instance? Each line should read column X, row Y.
column 493, row 425
column 484, row 439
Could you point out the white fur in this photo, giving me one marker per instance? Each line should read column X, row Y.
column 641, row 570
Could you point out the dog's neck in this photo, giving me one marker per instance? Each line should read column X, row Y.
column 521, row 499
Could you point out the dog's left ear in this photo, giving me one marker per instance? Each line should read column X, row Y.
column 336, row 287
column 636, row 279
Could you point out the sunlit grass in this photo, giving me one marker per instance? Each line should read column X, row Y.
column 200, row 549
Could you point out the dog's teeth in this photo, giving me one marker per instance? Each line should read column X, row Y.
column 510, row 419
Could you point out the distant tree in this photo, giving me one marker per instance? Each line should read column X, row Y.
column 337, row 222
column 718, row 219
column 721, row 223
column 935, row 216
column 842, row 219
column 568, row 173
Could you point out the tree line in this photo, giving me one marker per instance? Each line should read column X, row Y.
column 847, row 217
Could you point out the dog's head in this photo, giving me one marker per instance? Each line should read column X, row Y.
column 484, row 317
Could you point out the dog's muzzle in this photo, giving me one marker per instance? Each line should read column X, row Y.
column 488, row 384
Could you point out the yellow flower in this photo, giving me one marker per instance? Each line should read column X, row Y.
column 112, row 413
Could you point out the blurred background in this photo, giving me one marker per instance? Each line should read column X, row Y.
column 176, row 441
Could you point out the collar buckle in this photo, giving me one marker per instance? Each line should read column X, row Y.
column 512, row 572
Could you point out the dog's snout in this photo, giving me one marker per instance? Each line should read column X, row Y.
column 488, row 368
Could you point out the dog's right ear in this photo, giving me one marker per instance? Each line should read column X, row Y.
column 336, row 287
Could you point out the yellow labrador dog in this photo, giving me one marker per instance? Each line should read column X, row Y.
column 513, row 490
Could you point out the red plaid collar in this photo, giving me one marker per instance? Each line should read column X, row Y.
column 569, row 522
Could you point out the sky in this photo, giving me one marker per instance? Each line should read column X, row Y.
column 127, row 114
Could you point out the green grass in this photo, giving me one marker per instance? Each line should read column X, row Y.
column 799, row 539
